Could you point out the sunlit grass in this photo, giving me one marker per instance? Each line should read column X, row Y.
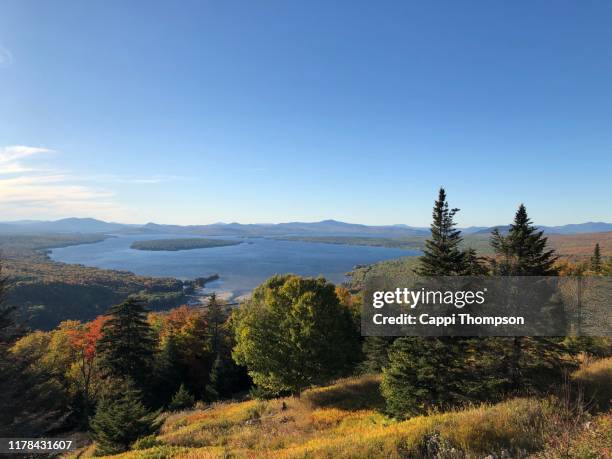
column 346, row 420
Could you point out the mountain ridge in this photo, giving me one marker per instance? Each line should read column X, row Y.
column 295, row 228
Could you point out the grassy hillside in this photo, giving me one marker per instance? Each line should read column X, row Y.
column 346, row 420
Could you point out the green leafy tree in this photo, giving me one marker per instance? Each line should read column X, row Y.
column 596, row 259
column 121, row 419
column 294, row 333
column 182, row 400
column 126, row 346
column 442, row 255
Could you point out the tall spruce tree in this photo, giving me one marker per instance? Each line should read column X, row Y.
column 442, row 255
column 121, row 419
column 430, row 372
column 127, row 346
column 596, row 259
column 523, row 251
column 168, row 371
column 375, row 353
column 215, row 318
column 525, row 363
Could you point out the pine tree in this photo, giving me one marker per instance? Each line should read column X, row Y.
column 473, row 265
column 431, row 372
column 441, row 255
column 168, row 371
column 121, row 419
column 525, row 363
column 126, row 347
column 375, row 352
column 596, row 259
column 213, row 387
column 215, row 318
column 182, row 400
column 522, row 252
column 423, row 374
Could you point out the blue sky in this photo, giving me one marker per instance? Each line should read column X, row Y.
column 269, row 111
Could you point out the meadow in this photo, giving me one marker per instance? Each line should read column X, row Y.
column 346, row 419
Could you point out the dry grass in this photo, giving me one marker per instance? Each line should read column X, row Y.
column 343, row 420
column 595, row 379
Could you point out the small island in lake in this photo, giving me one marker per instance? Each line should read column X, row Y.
column 181, row 244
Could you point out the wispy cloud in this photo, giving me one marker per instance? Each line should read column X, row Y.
column 27, row 191
column 141, row 180
column 6, row 58
column 13, row 153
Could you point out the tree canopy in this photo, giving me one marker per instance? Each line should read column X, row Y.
column 294, row 333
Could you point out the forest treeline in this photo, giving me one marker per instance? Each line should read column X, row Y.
column 181, row 244
column 45, row 292
column 114, row 375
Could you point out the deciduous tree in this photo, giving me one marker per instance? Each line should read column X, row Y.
column 294, row 333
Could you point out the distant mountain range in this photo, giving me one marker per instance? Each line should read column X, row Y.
column 322, row 228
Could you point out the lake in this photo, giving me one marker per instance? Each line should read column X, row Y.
column 240, row 267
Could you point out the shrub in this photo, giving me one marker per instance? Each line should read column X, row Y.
column 182, row 400
column 146, row 442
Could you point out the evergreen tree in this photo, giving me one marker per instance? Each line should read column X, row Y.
column 423, row 374
column 430, row 372
column 168, row 371
column 182, row 400
column 121, row 419
column 126, row 347
column 596, row 259
column 441, row 255
column 473, row 265
column 523, row 251
column 525, row 363
column 375, row 352
column 215, row 318
column 226, row 378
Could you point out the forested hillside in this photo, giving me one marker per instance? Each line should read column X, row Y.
column 47, row 292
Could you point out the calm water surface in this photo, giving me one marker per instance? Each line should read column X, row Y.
column 240, row 267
